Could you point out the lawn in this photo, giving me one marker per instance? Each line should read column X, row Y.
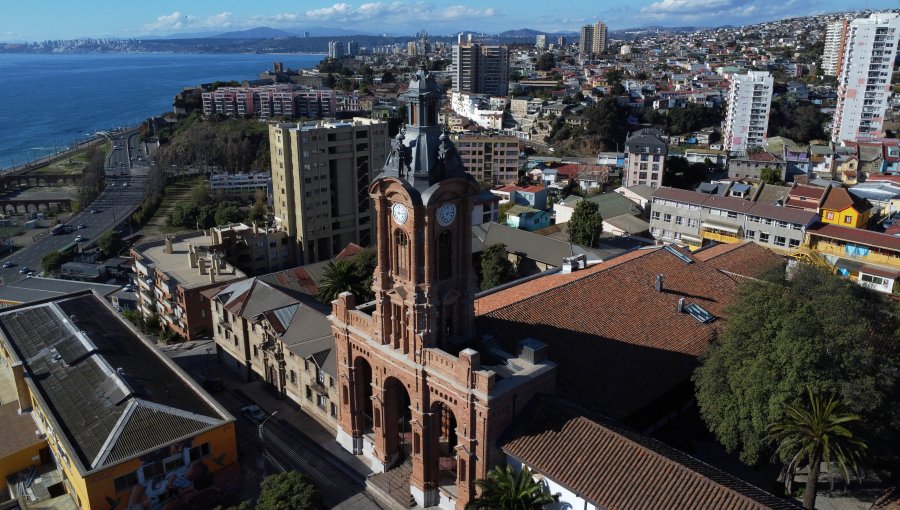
column 72, row 165
column 175, row 193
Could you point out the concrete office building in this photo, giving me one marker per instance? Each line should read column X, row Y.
column 540, row 42
column 835, row 35
column 864, row 82
column 749, row 102
column 600, row 41
column 586, row 41
column 481, row 69
column 490, row 159
column 320, row 178
column 335, row 49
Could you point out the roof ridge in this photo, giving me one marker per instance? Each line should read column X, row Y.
column 107, row 447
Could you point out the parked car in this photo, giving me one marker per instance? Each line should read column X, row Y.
column 24, row 270
column 94, row 211
column 254, row 412
column 79, row 238
column 81, row 226
column 7, row 264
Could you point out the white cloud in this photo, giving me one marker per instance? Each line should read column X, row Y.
column 395, row 13
column 714, row 12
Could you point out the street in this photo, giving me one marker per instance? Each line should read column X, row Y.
column 291, row 440
column 115, row 204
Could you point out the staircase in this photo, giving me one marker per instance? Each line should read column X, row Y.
column 391, row 488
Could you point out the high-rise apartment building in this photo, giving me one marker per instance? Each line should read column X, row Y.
column 335, row 49
column 749, row 102
column 586, row 41
column 540, row 42
column 645, row 163
column 864, row 79
column 561, row 41
column 320, row 179
column 593, row 38
column 481, row 69
column 835, row 35
column 352, row 48
column 599, row 43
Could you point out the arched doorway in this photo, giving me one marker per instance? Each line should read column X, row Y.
column 443, row 427
column 362, row 379
column 397, row 418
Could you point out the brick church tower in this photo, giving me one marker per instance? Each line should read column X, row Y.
column 416, row 397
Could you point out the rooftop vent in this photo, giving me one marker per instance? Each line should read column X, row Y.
column 574, row 263
column 659, row 283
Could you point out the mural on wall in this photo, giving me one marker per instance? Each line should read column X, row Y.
column 169, row 478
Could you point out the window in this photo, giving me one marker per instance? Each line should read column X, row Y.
column 793, row 243
column 749, row 234
column 876, row 280
column 320, row 376
column 153, row 470
column 125, row 482
column 763, row 237
column 655, row 215
column 293, row 377
column 445, row 255
column 255, row 351
column 198, row 452
column 401, row 253
column 333, row 411
column 780, row 241
column 321, row 401
column 848, row 219
column 667, row 218
column 308, row 393
column 679, row 220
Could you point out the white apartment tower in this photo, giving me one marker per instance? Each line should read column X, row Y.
column 540, row 42
column 834, row 47
column 749, row 102
column 864, row 82
column 600, row 42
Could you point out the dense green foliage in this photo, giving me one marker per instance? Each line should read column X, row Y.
column 816, row 331
column 110, row 243
column 770, row 176
column 233, row 145
column 607, row 121
column 496, row 269
column 94, row 178
column 52, row 261
column 808, row 436
column 586, row 224
column 692, row 118
column 801, row 122
column 202, row 211
column 352, row 275
column 545, row 62
column 504, row 489
column 289, row 490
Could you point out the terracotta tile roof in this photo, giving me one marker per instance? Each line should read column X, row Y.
column 617, row 469
column 840, row 199
column 856, row 235
column 631, row 337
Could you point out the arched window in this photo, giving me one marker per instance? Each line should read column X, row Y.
column 445, row 255
column 401, row 254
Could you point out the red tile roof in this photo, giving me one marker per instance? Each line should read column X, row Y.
column 617, row 469
column 631, row 337
column 856, row 235
column 840, row 199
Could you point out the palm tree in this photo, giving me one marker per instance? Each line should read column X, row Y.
column 808, row 436
column 339, row 276
column 504, row 489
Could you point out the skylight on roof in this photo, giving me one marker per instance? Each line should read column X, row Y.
column 699, row 313
column 674, row 251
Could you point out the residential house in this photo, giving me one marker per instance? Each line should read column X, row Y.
column 751, row 166
column 640, row 194
column 609, row 205
column 870, row 258
column 846, row 209
column 527, row 218
column 531, row 196
column 808, row 198
column 254, row 250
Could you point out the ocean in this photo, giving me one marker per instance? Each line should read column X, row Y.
column 53, row 101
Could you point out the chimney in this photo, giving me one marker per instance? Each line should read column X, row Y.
column 212, row 276
column 659, row 283
column 192, row 255
column 680, row 305
column 202, row 263
column 168, row 245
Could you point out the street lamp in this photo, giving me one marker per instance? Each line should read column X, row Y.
column 262, row 445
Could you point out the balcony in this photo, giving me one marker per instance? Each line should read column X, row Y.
column 720, row 232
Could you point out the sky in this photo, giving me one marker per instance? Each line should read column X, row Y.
column 22, row 20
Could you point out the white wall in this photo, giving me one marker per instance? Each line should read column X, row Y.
column 568, row 500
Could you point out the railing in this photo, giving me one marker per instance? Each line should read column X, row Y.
column 719, row 236
column 874, row 256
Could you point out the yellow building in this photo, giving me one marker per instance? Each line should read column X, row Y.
column 845, row 209
column 869, row 258
column 111, row 421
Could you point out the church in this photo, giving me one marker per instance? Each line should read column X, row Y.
column 419, row 390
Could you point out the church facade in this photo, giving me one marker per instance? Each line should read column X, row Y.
column 419, row 389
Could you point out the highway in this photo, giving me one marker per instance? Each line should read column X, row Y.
column 126, row 170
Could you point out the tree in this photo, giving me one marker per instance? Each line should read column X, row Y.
column 586, row 223
column 364, row 264
column 259, row 212
column 110, row 243
column 504, row 211
column 51, row 262
column 289, row 490
column 545, row 62
column 815, row 434
column 496, row 269
column 770, row 176
column 504, row 489
column 777, row 340
column 228, row 212
column 340, row 276
column 607, row 121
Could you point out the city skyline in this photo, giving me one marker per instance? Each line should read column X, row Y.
column 61, row 20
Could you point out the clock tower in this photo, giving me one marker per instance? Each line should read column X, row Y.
column 415, row 398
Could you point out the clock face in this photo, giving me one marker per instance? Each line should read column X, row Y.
column 399, row 212
column 445, row 214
